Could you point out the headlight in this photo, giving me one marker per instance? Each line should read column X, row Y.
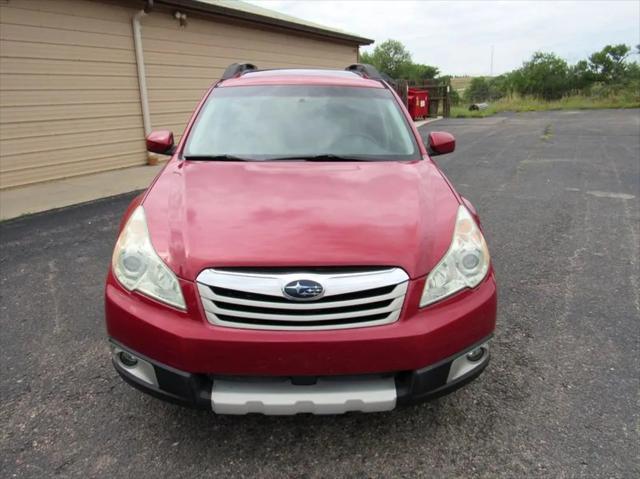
column 463, row 266
column 137, row 266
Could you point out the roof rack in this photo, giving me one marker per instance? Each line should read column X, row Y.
column 365, row 70
column 237, row 69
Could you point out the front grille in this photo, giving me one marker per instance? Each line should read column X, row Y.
column 254, row 300
column 272, row 299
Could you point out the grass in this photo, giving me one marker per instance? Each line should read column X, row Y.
column 576, row 102
column 547, row 134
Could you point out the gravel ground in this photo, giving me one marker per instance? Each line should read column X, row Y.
column 558, row 193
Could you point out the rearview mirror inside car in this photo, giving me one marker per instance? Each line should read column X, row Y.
column 441, row 143
column 160, row 141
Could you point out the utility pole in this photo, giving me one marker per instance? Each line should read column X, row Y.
column 491, row 68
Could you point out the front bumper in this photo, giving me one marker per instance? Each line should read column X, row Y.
column 292, row 395
column 186, row 341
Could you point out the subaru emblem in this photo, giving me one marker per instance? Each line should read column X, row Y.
column 303, row 289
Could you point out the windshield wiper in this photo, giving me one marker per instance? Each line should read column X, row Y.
column 324, row 157
column 216, row 158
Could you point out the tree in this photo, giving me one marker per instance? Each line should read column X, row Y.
column 633, row 72
column 581, row 76
column 454, row 96
column 426, row 72
column 366, row 57
column 608, row 65
column 478, row 90
column 545, row 76
column 485, row 89
column 418, row 72
column 499, row 86
column 389, row 57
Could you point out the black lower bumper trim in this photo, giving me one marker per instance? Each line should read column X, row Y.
column 175, row 386
column 418, row 395
column 431, row 382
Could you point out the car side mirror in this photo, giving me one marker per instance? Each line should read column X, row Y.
column 160, row 141
column 441, row 143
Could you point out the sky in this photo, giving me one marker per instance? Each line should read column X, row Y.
column 457, row 36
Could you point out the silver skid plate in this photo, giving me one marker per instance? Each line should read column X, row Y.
column 280, row 397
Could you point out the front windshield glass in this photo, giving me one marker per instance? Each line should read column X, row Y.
column 291, row 121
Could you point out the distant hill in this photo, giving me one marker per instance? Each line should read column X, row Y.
column 460, row 83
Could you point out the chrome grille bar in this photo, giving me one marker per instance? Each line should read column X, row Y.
column 206, row 292
column 395, row 304
column 256, row 301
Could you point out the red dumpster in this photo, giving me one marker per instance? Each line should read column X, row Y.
column 418, row 102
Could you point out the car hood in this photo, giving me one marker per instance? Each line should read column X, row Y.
column 300, row 214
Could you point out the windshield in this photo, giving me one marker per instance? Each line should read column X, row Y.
column 289, row 122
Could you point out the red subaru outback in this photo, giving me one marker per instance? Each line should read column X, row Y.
column 300, row 252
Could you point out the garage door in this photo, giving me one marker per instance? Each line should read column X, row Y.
column 69, row 99
column 182, row 62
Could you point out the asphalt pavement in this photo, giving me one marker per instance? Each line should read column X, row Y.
column 558, row 194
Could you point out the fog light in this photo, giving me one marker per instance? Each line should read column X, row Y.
column 128, row 360
column 475, row 354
